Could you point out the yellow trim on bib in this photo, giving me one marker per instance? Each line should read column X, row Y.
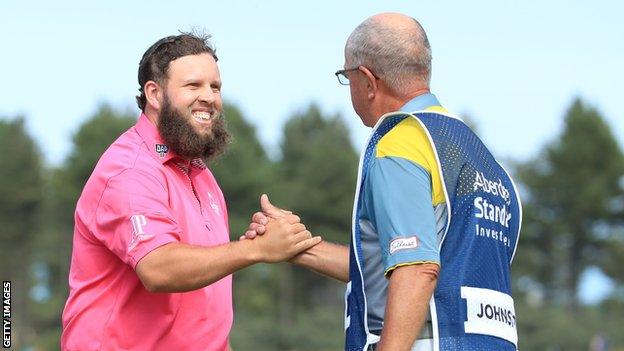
column 437, row 109
column 389, row 270
column 409, row 140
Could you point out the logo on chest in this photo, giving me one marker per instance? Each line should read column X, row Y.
column 213, row 204
column 162, row 149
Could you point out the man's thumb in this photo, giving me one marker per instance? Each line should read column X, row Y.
column 268, row 208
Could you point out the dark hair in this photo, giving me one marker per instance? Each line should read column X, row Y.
column 154, row 64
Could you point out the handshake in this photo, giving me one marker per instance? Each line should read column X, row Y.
column 278, row 235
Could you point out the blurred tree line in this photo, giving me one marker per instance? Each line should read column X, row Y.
column 572, row 191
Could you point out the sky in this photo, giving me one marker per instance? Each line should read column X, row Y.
column 514, row 67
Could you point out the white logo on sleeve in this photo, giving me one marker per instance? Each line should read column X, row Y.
column 138, row 224
column 403, row 244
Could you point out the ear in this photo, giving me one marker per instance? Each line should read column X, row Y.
column 371, row 82
column 153, row 94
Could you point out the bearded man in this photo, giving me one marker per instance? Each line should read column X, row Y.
column 152, row 261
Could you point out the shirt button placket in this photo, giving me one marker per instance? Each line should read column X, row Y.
column 192, row 188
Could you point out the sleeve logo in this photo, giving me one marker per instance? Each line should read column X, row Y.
column 138, row 223
column 403, row 244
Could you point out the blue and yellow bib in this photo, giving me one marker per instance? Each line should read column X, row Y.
column 472, row 307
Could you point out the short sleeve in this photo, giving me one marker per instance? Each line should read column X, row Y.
column 403, row 214
column 133, row 217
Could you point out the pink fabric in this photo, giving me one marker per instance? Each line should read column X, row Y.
column 138, row 199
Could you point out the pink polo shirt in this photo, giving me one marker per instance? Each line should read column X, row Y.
column 142, row 196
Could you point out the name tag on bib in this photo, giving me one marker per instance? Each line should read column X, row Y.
column 490, row 312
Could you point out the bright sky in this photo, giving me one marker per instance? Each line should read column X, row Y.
column 513, row 66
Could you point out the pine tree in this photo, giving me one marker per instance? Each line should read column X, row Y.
column 574, row 206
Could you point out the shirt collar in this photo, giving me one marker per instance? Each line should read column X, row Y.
column 421, row 102
column 161, row 151
column 186, row 166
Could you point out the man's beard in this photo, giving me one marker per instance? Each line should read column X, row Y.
column 178, row 133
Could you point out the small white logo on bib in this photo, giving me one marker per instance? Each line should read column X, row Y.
column 403, row 244
column 490, row 312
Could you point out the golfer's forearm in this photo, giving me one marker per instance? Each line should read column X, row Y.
column 326, row 258
column 180, row 267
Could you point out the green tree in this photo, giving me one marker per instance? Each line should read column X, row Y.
column 551, row 327
column 318, row 174
column 21, row 190
column 318, row 170
column 573, row 206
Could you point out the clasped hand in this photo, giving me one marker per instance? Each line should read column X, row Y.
column 279, row 233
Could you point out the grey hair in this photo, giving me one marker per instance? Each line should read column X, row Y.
column 396, row 55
